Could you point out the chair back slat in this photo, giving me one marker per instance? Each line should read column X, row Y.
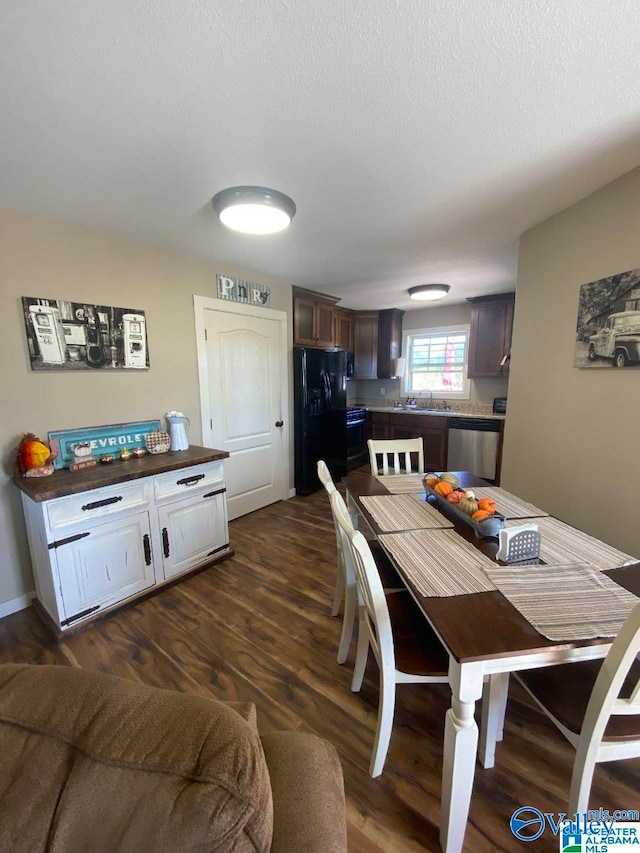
column 327, row 481
column 325, row 477
column 396, row 456
column 605, row 698
column 371, row 593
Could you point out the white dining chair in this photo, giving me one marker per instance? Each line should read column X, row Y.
column 396, row 456
column 596, row 706
column 345, row 579
column 405, row 647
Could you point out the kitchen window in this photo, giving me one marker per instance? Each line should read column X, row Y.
column 436, row 362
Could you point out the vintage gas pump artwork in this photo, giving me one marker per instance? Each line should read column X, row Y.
column 78, row 336
column 608, row 330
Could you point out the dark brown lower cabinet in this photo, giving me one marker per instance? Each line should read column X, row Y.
column 378, row 425
column 432, row 431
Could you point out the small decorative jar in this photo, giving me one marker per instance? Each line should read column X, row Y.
column 157, row 442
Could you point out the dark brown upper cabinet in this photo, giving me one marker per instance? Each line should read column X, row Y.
column 343, row 329
column 377, row 343
column 389, row 341
column 374, row 337
column 490, row 337
column 313, row 319
column 365, row 345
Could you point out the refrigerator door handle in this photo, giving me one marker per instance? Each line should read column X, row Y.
column 326, row 388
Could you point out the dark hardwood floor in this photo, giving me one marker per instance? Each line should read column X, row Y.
column 258, row 627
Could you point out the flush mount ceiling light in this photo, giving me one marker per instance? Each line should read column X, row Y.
column 429, row 292
column 254, row 210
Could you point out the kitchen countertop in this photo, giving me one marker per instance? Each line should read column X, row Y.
column 441, row 413
column 64, row 482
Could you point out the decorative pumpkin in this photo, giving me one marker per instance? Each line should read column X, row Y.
column 443, row 488
column 448, row 477
column 469, row 493
column 481, row 514
column 34, row 458
column 468, row 505
column 432, row 480
column 487, row 504
column 455, row 497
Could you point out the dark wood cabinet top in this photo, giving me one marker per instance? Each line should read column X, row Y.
column 65, row 482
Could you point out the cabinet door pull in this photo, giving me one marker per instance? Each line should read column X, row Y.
column 213, row 494
column 80, row 615
column 190, row 481
column 104, row 502
column 279, row 423
column 147, row 549
column 217, row 550
column 165, row 542
column 58, row 543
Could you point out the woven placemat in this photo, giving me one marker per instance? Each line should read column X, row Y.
column 508, row 505
column 562, row 543
column 403, row 512
column 399, row 484
column 439, row 562
column 566, row 602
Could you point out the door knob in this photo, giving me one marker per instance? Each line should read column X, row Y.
column 279, row 423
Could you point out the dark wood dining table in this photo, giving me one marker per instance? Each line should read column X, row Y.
column 484, row 636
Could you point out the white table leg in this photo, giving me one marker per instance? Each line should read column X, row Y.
column 494, row 703
column 459, row 760
column 353, row 510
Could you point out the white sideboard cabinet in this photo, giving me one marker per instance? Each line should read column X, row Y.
column 124, row 531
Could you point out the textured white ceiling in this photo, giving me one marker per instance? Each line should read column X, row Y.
column 418, row 138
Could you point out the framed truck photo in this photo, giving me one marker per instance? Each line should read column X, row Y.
column 608, row 329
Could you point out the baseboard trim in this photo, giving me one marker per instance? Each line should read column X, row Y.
column 16, row 604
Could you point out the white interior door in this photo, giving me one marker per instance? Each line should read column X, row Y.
column 243, row 389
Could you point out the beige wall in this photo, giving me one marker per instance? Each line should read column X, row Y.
column 43, row 258
column 571, row 442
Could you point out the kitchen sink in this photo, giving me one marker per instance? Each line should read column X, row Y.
column 420, row 410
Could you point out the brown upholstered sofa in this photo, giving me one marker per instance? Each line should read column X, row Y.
column 90, row 763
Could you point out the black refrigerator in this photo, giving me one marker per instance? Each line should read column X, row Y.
column 320, row 414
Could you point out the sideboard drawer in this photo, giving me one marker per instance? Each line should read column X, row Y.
column 185, row 479
column 97, row 503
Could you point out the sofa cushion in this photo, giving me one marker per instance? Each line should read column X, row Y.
column 308, row 793
column 91, row 762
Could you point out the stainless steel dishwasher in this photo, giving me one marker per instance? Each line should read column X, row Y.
column 473, row 446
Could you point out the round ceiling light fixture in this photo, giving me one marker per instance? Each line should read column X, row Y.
column 429, row 292
column 254, row 210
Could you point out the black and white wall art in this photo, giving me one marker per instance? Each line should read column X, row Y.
column 79, row 336
column 608, row 330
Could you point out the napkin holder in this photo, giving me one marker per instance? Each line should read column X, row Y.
column 519, row 543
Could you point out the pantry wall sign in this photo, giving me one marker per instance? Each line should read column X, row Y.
column 64, row 335
column 239, row 290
